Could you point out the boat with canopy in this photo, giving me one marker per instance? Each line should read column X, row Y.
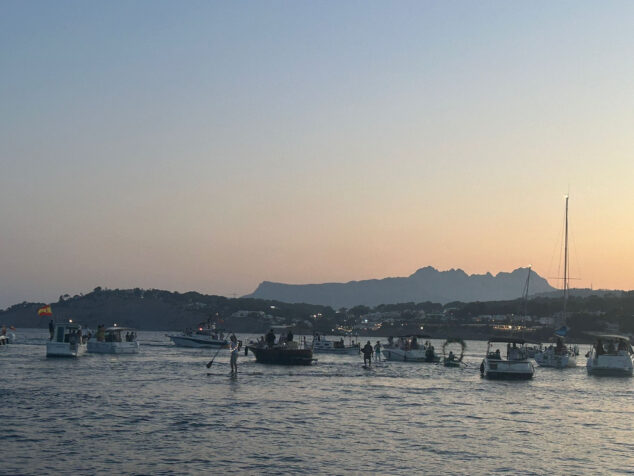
column 515, row 365
column 68, row 341
column 611, row 355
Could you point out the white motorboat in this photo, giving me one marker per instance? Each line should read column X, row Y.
column 321, row 345
column 515, row 366
column 67, row 341
column 408, row 349
column 110, row 341
column 611, row 355
column 202, row 337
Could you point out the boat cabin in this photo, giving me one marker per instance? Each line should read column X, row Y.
column 114, row 334
column 68, row 332
column 515, row 349
column 612, row 345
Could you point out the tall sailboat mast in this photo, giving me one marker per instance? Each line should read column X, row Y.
column 566, row 262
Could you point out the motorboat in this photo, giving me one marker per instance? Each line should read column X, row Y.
column 558, row 356
column 288, row 353
column 321, row 345
column 202, row 337
column 110, row 341
column 611, row 355
column 67, row 341
column 409, row 349
column 514, row 366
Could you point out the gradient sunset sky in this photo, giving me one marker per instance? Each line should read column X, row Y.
column 209, row 146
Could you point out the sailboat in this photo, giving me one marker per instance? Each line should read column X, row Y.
column 560, row 356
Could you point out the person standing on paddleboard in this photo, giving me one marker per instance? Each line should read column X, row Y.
column 233, row 349
column 377, row 351
column 367, row 354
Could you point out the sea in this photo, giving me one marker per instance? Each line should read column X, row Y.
column 163, row 411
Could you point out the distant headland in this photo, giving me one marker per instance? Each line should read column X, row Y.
column 426, row 284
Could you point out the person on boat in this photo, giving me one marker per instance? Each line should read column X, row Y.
column 270, row 338
column 513, row 352
column 289, row 336
column 611, row 349
column 51, row 328
column 233, row 349
column 101, row 333
column 599, row 347
column 559, row 346
column 451, row 356
column 414, row 344
column 390, row 341
column 497, row 354
column 367, row 354
column 377, row 351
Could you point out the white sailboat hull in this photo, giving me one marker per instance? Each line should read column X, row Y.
column 551, row 359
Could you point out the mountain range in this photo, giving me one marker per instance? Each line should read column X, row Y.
column 426, row 284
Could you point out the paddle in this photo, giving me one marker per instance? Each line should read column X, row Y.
column 212, row 359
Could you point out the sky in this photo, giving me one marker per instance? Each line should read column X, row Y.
column 209, row 146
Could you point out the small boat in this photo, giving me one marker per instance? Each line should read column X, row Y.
column 611, row 355
column 110, row 341
column 286, row 354
column 202, row 337
column 516, row 365
column 67, row 341
column 321, row 345
column 450, row 360
column 407, row 349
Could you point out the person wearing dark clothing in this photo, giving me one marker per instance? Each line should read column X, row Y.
column 367, row 354
column 289, row 336
column 270, row 338
column 51, row 328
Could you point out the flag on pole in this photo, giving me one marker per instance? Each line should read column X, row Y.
column 45, row 311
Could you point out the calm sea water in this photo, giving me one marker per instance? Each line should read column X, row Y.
column 163, row 412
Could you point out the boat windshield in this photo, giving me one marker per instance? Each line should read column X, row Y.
column 515, row 350
column 612, row 345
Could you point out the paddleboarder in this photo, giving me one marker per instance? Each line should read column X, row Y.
column 377, row 351
column 367, row 354
column 233, row 348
